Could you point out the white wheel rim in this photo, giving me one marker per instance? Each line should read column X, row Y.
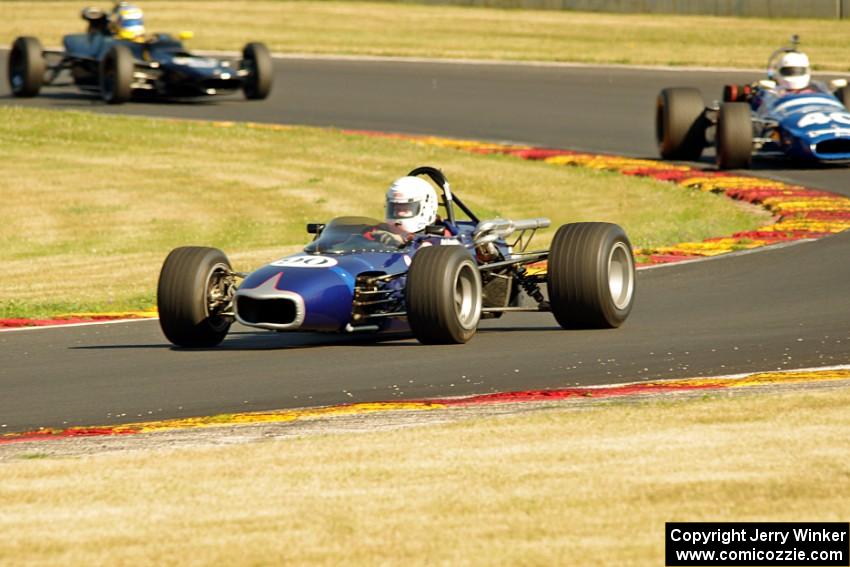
column 467, row 297
column 621, row 275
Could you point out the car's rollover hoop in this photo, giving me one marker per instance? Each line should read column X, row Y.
column 438, row 284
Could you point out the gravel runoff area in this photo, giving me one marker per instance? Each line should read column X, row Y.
column 586, row 479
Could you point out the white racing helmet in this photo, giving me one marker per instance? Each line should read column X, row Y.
column 411, row 204
column 794, row 72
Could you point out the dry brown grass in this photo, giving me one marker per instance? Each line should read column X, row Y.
column 93, row 203
column 559, row 487
column 442, row 31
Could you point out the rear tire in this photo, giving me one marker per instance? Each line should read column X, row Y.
column 734, row 136
column 680, row 123
column 591, row 276
column 190, row 279
column 26, row 67
column 258, row 84
column 443, row 295
column 116, row 75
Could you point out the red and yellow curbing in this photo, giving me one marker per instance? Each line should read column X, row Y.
column 577, row 393
column 75, row 319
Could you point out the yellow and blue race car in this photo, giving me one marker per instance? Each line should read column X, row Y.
column 119, row 65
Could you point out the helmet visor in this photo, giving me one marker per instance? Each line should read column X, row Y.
column 793, row 71
column 402, row 210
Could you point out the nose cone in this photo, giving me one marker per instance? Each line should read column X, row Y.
column 320, row 298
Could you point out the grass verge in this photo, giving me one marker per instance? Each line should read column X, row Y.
column 460, row 32
column 560, row 487
column 93, row 203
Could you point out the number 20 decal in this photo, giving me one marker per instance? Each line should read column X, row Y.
column 820, row 118
column 305, row 262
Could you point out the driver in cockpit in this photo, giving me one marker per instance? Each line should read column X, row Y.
column 411, row 207
column 127, row 22
column 793, row 73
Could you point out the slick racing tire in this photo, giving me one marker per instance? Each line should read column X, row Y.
column 591, row 276
column 680, row 123
column 116, row 75
column 734, row 137
column 26, row 67
column 191, row 284
column 443, row 295
column 258, row 61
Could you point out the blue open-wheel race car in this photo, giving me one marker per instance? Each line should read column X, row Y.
column 785, row 115
column 438, row 283
column 158, row 65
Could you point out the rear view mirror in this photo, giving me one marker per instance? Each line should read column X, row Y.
column 315, row 227
column 836, row 84
column 435, row 230
column 767, row 84
column 184, row 35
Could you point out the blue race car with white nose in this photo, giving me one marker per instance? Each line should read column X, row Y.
column 785, row 115
column 437, row 283
column 119, row 69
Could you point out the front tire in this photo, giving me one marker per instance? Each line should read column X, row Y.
column 443, row 295
column 26, row 67
column 193, row 289
column 680, row 123
column 258, row 84
column 591, row 276
column 116, row 75
column 734, row 136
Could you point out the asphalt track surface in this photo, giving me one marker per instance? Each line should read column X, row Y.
column 787, row 307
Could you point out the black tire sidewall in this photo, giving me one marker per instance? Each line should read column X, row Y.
column 258, row 84
column 429, row 295
column 182, row 297
column 118, row 61
column 577, row 278
column 680, row 123
column 734, row 137
column 28, row 49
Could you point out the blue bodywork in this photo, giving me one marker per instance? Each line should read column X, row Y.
column 170, row 70
column 321, row 291
column 327, row 292
column 809, row 125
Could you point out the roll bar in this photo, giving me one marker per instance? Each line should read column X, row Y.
column 449, row 200
column 772, row 60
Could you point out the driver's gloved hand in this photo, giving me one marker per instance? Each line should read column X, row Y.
column 389, row 239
